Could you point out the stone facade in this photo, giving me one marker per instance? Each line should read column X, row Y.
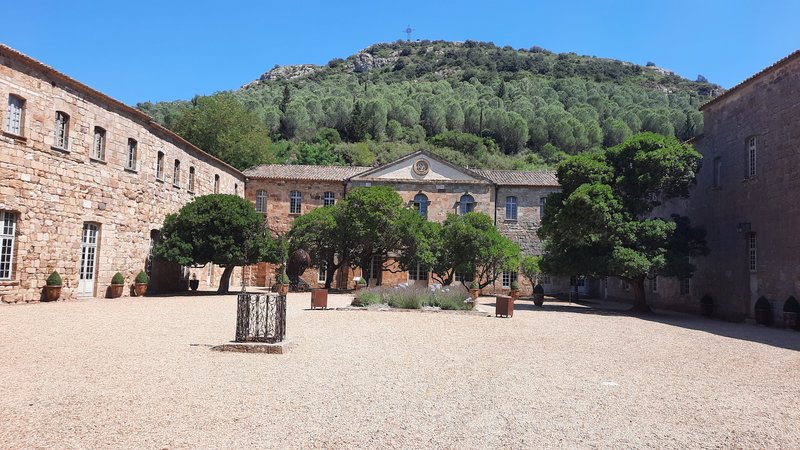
column 442, row 184
column 52, row 189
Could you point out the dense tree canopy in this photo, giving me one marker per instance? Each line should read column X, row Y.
column 602, row 223
column 222, row 229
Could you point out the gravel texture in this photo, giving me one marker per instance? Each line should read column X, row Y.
column 139, row 373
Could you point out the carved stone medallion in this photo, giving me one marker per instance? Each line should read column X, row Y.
column 421, row 167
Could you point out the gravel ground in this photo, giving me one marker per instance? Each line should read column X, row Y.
column 138, row 373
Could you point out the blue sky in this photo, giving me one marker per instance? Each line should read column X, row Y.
column 145, row 50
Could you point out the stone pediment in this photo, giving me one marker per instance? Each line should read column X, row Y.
column 420, row 167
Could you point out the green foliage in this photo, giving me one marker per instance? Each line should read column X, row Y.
column 142, row 278
column 538, row 289
column 415, row 298
column 369, row 298
column 54, row 279
column 222, row 229
column 283, row 278
column 220, row 125
column 514, row 285
column 530, row 267
column 474, row 285
column 117, row 279
column 521, row 99
column 362, row 281
column 601, row 223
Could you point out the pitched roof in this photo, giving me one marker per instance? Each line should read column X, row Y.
column 146, row 120
column 304, row 172
column 778, row 64
column 519, row 177
column 428, row 155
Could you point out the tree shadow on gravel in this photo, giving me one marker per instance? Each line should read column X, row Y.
column 776, row 337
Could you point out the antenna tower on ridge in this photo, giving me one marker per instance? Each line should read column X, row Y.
column 408, row 32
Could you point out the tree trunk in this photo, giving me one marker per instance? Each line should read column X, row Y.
column 331, row 268
column 225, row 280
column 639, row 300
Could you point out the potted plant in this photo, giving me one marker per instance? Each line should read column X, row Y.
column 361, row 283
column 140, row 283
column 514, row 293
column 194, row 283
column 474, row 290
column 52, row 289
column 283, row 284
column 538, row 295
column 117, row 283
column 707, row 305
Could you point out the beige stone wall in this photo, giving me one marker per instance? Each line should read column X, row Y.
column 53, row 192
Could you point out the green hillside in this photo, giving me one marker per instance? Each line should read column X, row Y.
column 474, row 103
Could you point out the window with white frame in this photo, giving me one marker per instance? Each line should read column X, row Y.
column 417, row 272
column 15, row 117
column 752, row 255
column 751, row 157
column 421, row 204
column 160, row 166
column 191, row 179
column 130, row 162
column 716, row 180
column 508, row 278
column 61, row 139
column 328, row 199
column 99, row 144
column 511, row 208
column 466, row 204
column 176, row 173
column 542, row 202
column 261, row 201
column 322, row 273
column 295, row 202
column 8, row 231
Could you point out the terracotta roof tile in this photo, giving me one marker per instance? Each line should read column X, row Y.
column 519, row 177
column 304, row 172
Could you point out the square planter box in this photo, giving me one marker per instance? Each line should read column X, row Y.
column 504, row 306
column 319, row 298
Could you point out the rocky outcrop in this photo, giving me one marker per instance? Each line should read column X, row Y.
column 364, row 62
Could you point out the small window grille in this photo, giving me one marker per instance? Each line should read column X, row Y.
column 752, row 253
column 328, row 199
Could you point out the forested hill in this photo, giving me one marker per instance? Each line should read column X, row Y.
column 474, row 103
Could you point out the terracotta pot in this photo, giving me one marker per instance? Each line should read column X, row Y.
column 283, row 289
column 52, row 293
column 116, row 290
column 139, row 289
column 194, row 284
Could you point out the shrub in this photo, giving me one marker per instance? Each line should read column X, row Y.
column 142, row 278
column 369, row 298
column 117, row 279
column 54, row 279
column 283, row 278
column 514, row 285
column 474, row 285
column 362, row 281
column 450, row 298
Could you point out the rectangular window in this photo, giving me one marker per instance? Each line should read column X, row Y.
column 61, row 139
column 328, row 199
column 160, row 166
column 511, row 208
column 16, row 115
column 295, row 202
column 216, row 184
column 191, row 179
column 542, row 202
column 261, row 201
column 579, row 281
column 464, row 277
column 417, row 272
column 751, row 157
column 752, row 252
column 99, row 145
column 653, row 280
column 508, row 277
column 717, row 171
column 176, row 174
column 8, row 232
column 686, row 286
column 322, row 273
column 130, row 162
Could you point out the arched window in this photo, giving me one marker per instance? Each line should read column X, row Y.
column 131, row 160
column 466, row 204
column 511, row 208
column 176, row 173
column 421, row 204
column 191, row 179
column 62, row 131
column 216, row 184
column 261, row 201
column 99, row 145
column 160, row 166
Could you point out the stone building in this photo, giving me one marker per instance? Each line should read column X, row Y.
column 85, row 184
column 424, row 181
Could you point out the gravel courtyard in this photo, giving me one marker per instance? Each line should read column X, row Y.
column 139, row 373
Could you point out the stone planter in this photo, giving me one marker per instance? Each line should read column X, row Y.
column 52, row 293
column 139, row 289
column 504, row 306
column 116, row 290
column 283, row 289
column 319, row 298
column 194, row 284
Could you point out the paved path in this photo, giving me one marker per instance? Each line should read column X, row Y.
column 138, row 373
